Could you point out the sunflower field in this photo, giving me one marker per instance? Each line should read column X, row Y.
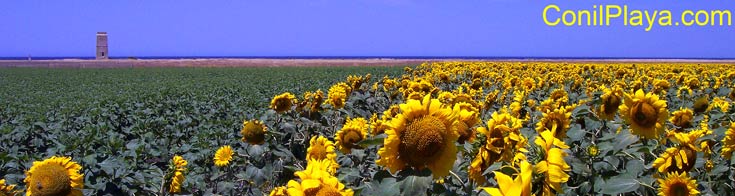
column 441, row 128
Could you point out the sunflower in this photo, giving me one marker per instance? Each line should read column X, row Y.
column 509, row 127
column 557, row 121
column 521, row 185
column 701, row 104
column 179, row 166
column 176, row 181
column 559, row 96
column 279, row 191
column 645, row 113
column 553, row 165
column 468, row 117
column 378, row 125
column 320, row 148
column 611, row 99
column 223, row 156
column 6, row 189
column 54, row 176
column 315, row 180
column 338, row 94
column 283, row 102
column 720, row 102
column 487, row 155
column 353, row 131
column 253, row 132
column 682, row 118
column 678, row 159
column 422, row 136
column 682, row 89
column 660, row 86
column 728, row 142
column 677, row 184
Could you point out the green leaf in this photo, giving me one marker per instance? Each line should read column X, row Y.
column 415, row 185
column 373, row 141
column 620, row 184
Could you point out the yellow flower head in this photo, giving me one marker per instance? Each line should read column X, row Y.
column 677, row 184
column 676, row 159
column 422, row 136
column 54, row 176
column 468, row 117
column 316, row 180
column 320, row 148
column 728, row 142
column 682, row 118
column 223, row 156
column 701, row 104
column 489, row 153
column 253, row 132
column 645, row 113
column 7, row 189
column 176, row 181
column 179, row 165
column 338, row 94
column 353, row 131
column 557, row 121
column 553, row 166
column 283, row 102
column 611, row 99
column 520, row 185
column 720, row 102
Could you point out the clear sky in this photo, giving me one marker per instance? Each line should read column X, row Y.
column 507, row 28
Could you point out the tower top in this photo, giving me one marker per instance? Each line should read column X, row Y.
column 101, row 33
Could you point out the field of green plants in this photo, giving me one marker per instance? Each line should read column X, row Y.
column 124, row 125
column 442, row 128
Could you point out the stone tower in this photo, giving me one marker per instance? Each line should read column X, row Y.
column 102, row 52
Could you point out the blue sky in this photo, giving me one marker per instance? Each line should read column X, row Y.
column 508, row 28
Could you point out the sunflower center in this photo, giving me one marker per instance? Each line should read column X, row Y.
column 678, row 189
column 611, row 104
column 322, row 191
column 50, row 180
column 645, row 115
column 351, row 138
column 422, row 140
column 318, row 152
column 254, row 133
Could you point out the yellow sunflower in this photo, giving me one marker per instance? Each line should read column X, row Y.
column 353, row 131
column 54, row 176
column 728, row 142
column 315, row 180
column 553, row 165
column 611, row 99
column 487, row 155
column 645, row 113
column 320, row 148
column 253, row 132
column 557, row 121
column 720, row 102
column 677, row 184
column 422, row 136
column 682, row 118
column 338, row 94
column 223, row 156
column 7, row 189
column 177, row 179
column 283, row 102
column 701, row 104
column 675, row 159
column 521, row 185
column 468, row 117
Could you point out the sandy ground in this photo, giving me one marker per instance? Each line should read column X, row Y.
column 78, row 63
